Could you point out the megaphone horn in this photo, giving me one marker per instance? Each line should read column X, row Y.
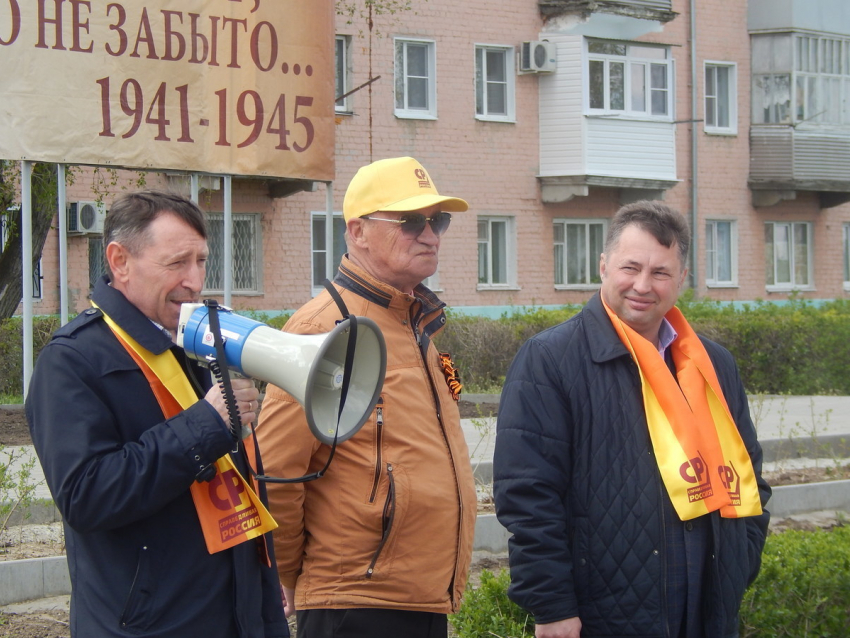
column 309, row 367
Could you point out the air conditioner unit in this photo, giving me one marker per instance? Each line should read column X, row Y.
column 538, row 57
column 86, row 218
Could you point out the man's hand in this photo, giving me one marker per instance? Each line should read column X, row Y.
column 246, row 396
column 288, row 597
column 569, row 628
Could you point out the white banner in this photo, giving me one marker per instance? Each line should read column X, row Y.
column 241, row 87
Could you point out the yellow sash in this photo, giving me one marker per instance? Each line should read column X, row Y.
column 703, row 461
column 230, row 511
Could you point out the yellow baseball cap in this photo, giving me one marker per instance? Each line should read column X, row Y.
column 395, row 184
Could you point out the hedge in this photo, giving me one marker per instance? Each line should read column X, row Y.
column 803, row 591
column 798, row 348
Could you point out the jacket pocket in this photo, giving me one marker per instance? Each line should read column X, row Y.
column 387, row 520
column 379, row 442
column 137, row 613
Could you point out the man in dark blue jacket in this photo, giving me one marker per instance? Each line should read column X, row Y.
column 120, row 471
column 608, row 538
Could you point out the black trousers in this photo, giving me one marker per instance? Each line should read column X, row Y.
column 370, row 623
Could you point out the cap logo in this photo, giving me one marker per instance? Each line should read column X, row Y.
column 422, row 176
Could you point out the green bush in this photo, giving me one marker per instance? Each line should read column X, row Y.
column 487, row 611
column 11, row 349
column 803, row 591
column 798, row 348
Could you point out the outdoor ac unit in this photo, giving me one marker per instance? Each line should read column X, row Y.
column 537, row 57
column 86, row 218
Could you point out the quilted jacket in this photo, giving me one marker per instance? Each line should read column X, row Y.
column 578, row 487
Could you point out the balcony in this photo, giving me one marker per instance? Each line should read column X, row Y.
column 655, row 10
column 785, row 159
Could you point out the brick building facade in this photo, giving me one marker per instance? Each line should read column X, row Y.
column 603, row 115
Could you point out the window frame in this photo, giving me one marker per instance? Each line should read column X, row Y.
column 256, row 253
column 791, row 285
column 711, row 280
column 629, row 62
column 509, row 251
column 510, row 82
column 403, row 110
column 344, row 105
column 318, row 215
column 712, row 128
column 589, row 260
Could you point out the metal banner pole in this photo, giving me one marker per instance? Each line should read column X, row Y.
column 63, row 245
column 228, row 239
column 26, row 238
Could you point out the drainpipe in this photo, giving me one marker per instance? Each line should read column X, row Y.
column 694, row 158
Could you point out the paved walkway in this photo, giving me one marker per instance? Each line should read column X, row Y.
column 775, row 417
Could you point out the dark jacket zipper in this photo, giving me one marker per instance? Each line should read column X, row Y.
column 386, row 522
column 133, row 587
column 379, row 427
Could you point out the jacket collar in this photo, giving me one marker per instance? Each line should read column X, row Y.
column 130, row 318
column 423, row 303
column 602, row 339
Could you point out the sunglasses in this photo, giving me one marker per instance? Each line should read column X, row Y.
column 412, row 224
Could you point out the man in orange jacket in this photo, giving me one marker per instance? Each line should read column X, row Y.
column 379, row 546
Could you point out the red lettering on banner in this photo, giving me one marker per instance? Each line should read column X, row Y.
column 170, row 35
column 214, row 41
column 122, row 35
column 229, row 480
column 196, row 37
column 78, row 25
column 234, row 39
column 145, row 25
column 16, row 22
column 56, row 20
column 255, row 46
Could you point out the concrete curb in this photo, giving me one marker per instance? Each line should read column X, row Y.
column 35, row 578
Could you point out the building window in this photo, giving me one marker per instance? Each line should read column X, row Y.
column 721, row 253
column 721, row 112
column 320, row 250
column 6, row 223
column 846, row 256
column 343, row 72
column 631, row 79
column 788, row 255
column 97, row 261
column 495, row 252
column 415, row 79
column 800, row 78
column 578, row 245
column 494, row 83
column 246, row 253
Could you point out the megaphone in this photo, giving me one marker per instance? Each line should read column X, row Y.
column 309, row 367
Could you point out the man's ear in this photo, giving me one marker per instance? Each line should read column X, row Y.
column 119, row 261
column 355, row 228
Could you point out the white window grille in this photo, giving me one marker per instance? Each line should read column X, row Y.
column 246, row 253
column 788, row 255
column 577, row 246
column 494, row 83
column 415, row 79
column 721, row 111
column 496, row 252
column 629, row 79
column 721, row 253
column 319, row 248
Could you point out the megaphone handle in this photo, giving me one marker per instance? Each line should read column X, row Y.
column 218, row 366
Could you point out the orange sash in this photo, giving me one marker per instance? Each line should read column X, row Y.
column 229, row 510
column 701, row 456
